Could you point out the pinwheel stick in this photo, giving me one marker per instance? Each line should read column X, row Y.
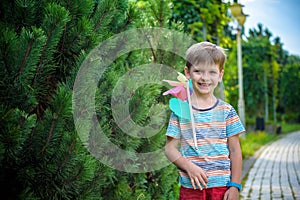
column 191, row 114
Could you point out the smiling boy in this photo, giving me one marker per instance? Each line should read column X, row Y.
column 212, row 170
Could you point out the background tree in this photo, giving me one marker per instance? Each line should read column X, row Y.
column 281, row 57
column 289, row 90
column 204, row 20
column 260, row 73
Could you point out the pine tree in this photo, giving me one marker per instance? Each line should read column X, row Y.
column 156, row 184
column 42, row 44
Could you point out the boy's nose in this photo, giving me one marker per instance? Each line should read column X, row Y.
column 204, row 75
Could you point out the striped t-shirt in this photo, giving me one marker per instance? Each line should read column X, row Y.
column 213, row 127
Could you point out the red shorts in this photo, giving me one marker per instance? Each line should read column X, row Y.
column 216, row 193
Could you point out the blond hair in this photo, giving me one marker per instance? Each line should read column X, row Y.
column 205, row 53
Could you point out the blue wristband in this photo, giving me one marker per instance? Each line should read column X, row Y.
column 233, row 184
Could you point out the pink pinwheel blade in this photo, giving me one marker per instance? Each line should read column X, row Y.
column 179, row 92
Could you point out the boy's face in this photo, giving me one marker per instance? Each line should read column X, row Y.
column 204, row 78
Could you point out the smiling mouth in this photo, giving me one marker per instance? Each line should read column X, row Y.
column 204, row 85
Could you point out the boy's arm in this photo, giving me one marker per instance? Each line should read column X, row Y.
column 235, row 153
column 196, row 174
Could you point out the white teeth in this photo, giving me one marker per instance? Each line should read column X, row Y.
column 204, row 84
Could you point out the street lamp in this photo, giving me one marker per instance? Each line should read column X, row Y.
column 240, row 17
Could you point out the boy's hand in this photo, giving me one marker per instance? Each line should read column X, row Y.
column 197, row 176
column 231, row 194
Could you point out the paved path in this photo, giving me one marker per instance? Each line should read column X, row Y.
column 276, row 172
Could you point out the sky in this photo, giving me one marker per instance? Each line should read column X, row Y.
column 281, row 17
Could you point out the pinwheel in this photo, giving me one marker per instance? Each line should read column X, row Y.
column 181, row 105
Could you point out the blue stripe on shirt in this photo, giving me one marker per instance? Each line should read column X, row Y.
column 205, row 150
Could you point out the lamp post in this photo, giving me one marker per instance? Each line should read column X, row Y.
column 236, row 11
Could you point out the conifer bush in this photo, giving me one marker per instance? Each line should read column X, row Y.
column 43, row 44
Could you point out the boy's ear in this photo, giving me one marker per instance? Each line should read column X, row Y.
column 221, row 75
column 187, row 72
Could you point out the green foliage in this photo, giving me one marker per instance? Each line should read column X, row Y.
column 41, row 154
column 145, row 106
column 261, row 74
column 204, row 20
column 252, row 142
column 289, row 84
column 288, row 128
column 42, row 45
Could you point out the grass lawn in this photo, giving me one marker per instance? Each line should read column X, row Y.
column 253, row 141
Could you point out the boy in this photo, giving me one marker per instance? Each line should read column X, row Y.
column 211, row 169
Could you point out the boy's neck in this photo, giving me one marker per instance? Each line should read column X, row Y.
column 203, row 101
